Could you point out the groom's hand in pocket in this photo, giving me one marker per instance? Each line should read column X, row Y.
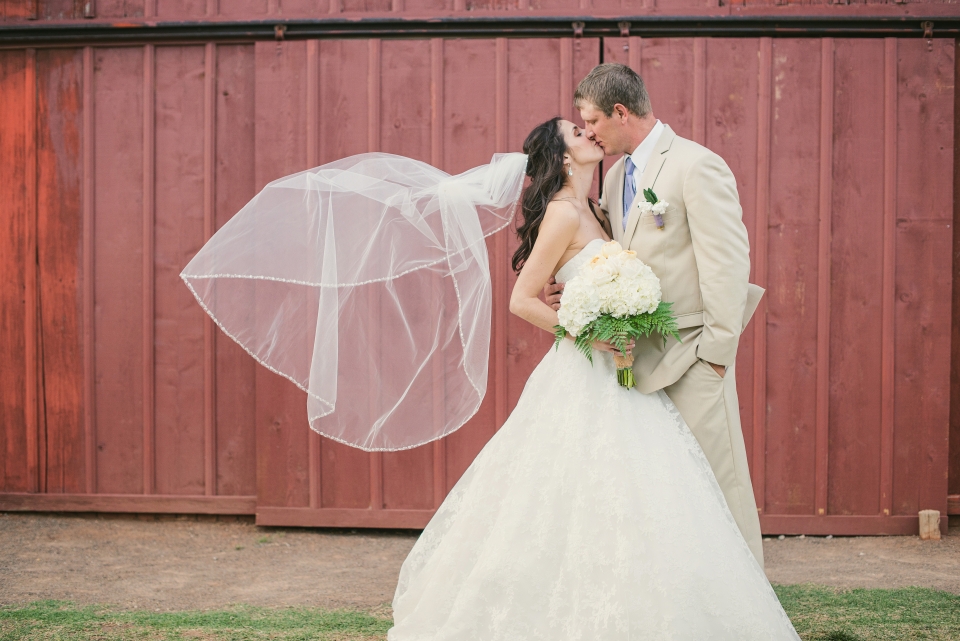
column 719, row 369
column 551, row 293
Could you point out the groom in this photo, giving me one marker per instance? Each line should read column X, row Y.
column 700, row 252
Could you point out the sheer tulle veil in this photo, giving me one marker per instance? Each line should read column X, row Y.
column 366, row 282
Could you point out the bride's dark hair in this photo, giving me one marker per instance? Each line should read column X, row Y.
column 544, row 147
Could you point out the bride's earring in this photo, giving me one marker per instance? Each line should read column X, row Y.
column 569, row 170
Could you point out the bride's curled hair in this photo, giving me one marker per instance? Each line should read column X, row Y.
column 544, row 148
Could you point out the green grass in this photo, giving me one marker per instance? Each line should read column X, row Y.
column 61, row 620
column 826, row 614
column 819, row 614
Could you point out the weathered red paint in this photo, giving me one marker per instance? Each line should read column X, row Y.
column 115, row 386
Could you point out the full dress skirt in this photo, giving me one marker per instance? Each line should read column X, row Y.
column 592, row 514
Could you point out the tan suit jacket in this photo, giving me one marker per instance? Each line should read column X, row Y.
column 702, row 256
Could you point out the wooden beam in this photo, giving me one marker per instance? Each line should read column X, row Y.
column 148, row 303
column 764, row 109
column 888, row 291
column 343, row 517
column 842, row 525
column 821, row 464
column 438, row 409
column 127, row 503
column 209, row 227
column 314, row 441
column 31, row 293
column 89, row 290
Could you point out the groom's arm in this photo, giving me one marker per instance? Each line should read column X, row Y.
column 722, row 252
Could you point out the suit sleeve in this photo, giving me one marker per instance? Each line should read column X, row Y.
column 722, row 252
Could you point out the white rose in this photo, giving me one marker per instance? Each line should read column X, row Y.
column 611, row 248
column 599, row 270
column 630, row 266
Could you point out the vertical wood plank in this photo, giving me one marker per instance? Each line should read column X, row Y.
column 856, row 283
column 31, row 299
column 565, row 98
column 887, row 330
column 148, row 204
column 699, row 119
column 470, row 127
column 313, row 159
column 924, row 212
column 374, row 81
column 59, row 260
column 181, row 192
column 88, row 195
column 533, row 96
column 791, row 298
column 14, row 219
column 501, row 270
column 732, row 82
column 824, row 280
column 761, row 233
column 119, row 269
column 280, row 148
column 437, row 113
column 662, row 62
column 235, row 184
column 953, row 472
column 343, row 131
column 209, row 227
column 405, row 128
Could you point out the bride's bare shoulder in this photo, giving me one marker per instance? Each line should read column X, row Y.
column 560, row 214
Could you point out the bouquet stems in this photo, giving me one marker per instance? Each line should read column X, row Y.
column 624, row 363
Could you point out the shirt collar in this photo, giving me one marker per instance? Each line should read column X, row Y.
column 641, row 155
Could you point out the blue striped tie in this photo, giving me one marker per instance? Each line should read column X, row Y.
column 629, row 189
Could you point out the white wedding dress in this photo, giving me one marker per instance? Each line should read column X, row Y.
column 591, row 515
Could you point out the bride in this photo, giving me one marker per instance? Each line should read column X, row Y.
column 592, row 514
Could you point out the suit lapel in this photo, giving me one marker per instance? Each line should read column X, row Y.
column 647, row 181
column 615, row 201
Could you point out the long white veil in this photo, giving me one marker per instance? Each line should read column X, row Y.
column 366, row 282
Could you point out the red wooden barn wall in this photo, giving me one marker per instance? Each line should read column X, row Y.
column 116, row 393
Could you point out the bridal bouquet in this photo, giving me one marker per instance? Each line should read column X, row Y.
column 615, row 297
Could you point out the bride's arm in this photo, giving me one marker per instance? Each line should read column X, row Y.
column 559, row 225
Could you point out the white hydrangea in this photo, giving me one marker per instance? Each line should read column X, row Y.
column 613, row 282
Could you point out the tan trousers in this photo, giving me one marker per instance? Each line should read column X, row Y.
column 709, row 405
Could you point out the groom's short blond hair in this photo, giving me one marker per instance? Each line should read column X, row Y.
column 612, row 83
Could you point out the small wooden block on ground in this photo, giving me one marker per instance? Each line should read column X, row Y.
column 930, row 525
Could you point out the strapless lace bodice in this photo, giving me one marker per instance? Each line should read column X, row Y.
column 572, row 266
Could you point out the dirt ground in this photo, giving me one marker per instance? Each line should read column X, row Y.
column 185, row 563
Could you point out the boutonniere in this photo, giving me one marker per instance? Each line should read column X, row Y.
column 654, row 204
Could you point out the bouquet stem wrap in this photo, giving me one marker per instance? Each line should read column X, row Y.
column 624, row 363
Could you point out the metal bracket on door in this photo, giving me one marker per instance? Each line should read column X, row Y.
column 928, row 33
